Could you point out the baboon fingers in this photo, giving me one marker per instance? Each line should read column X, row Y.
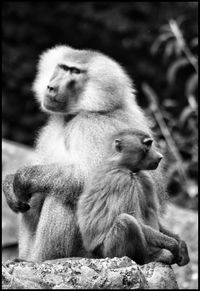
column 183, row 254
column 21, row 187
column 22, row 207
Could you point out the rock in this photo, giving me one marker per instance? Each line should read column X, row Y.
column 159, row 276
column 80, row 273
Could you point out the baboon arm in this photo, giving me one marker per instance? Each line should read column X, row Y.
column 45, row 179
column 183, row 250
column 39, row 178
column 160, row 240
column 169, row 241
column 163, row 256
column 166, row 231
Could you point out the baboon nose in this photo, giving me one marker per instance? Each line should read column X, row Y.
column 51, row 88
column 51, row 91
column 147, row 141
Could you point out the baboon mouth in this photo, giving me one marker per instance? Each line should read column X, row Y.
column 54, row 105
column 153, row 166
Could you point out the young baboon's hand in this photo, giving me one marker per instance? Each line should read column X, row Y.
column 183, row 254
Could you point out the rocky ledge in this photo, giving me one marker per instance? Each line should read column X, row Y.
column 83, row 273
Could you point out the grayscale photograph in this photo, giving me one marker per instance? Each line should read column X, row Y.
column 99, row 145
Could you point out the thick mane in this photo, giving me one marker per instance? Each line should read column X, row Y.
column 108, row 85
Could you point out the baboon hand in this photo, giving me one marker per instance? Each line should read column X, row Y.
column 19, row 206
column 22, row 186
column 13, row 202
column 183, row 254
column 26, row 182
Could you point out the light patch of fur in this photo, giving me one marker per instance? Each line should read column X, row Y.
column 118, row 86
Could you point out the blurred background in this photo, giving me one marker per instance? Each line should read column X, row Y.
column 156, row 42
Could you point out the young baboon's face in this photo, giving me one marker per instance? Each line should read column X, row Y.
column 135, row 151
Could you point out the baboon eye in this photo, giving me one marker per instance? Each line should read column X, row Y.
column 75, row 70
column 118, row 145
column 147, row 141
column 64, row 67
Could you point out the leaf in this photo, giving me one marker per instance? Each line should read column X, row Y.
column 191, row 84
column 192, row 188
column 177, row 33
column 186, row 113
column 165, row 28
column 169, row 49
column 194, row 42
column 181, row 19
column 162, row 38
column 193, row 103
column 170, row 103
column 151, row 96
column 175, row 66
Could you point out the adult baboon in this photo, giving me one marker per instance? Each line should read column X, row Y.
column 89, row 97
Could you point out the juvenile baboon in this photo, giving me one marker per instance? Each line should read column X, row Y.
column 118, row 212
column 89, row 97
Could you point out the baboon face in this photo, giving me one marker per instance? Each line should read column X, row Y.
column 135, row 151
column 64, row 88
column 70, row 81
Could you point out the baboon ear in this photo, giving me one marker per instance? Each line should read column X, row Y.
column 118, row 145
column 147, row 141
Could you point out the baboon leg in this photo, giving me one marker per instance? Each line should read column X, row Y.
column 126, row 239
column 56, row 232
column 163, row 256
column 159, row 240
column 183, row 250
column 28, row 226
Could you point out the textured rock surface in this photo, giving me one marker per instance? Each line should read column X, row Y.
column 79, row 273
column 159, row 276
